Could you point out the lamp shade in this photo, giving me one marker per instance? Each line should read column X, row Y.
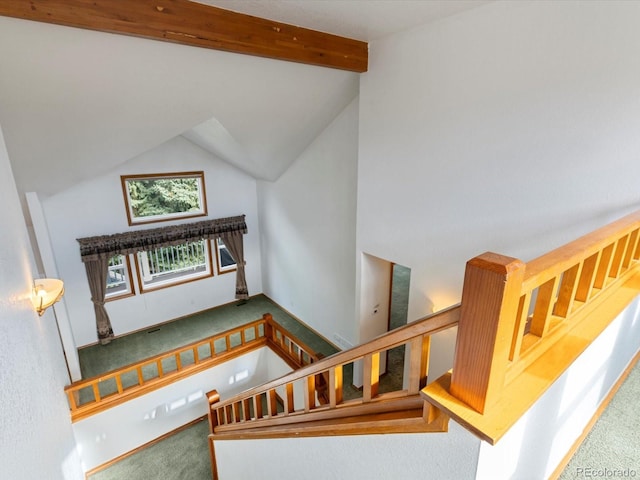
column 46, row 292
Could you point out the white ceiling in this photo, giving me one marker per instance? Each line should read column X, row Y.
column 365, row 20
column 77, row 103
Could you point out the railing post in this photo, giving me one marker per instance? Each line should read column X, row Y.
column 212, row 397
column 268, row 327
column 490, row 297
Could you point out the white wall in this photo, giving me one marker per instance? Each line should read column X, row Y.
column 125, row 427
column 531, row 449
column 415, row 456
column 34, row 414
column 307, row 223
column 96, row 207
column 512, row 128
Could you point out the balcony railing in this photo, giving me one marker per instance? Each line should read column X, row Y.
column 90, row 396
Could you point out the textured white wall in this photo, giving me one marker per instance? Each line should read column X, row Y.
column 125, row 427
column 443, row 456
column 96, row 207
column 36, row 440
column 307, row 220
column 511, row 128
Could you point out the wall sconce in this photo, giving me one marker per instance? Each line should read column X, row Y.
column 46, row 292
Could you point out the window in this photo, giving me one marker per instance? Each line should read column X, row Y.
column 167, row 266
column 118, row 278
column 161, row 197
column 225, row 261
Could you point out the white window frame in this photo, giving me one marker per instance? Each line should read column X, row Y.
column 221, row 268
column 123, row 269
column 150, row 281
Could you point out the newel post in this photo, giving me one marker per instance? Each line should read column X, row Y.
column 268, row 326
column 213, row 397
column 490, row 298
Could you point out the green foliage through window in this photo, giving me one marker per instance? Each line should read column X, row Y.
column 161, row 197
column 164, row 197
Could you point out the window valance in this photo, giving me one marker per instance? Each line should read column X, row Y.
column 105, row 246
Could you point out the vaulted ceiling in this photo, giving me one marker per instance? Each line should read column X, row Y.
column 76, row 103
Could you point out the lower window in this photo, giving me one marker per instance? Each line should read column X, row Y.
column 225, row 261
column 118, row 278
column 166, row 266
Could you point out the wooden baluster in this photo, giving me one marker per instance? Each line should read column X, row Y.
column 196, row 356
column 567, row 291
column 490, row 299
column 118, row 378
column 242, row 337
column 631, row 248
column 335, row 386
column 237, row 413
column 212, row 347
column 606, row 258
column 227, row 341
column 618, row 256
column 418, row 363
column 542, row 311
column 257, row 406
column 160, row 369
column 521, row 322
column 140, row 376
column 289, row 402
column 96, row 392
column 310, row 394
column 178, row 361
column 228, row 413
column 371, row 376
column 246, row 407
column 586, row 282
column 272, row 403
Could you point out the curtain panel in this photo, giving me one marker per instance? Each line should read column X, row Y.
column 96, row 251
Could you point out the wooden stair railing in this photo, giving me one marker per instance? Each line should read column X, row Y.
column 292, row 402
column 96, row 394
column 522, row 325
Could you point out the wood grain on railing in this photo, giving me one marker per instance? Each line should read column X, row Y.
column 93, row 395
column 301, row 401
column 522, row 325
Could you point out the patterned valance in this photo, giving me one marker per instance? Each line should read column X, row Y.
column 92, row 248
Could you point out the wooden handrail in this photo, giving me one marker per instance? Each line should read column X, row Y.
column 95, row 394
column 247, row 410
column 522, row 325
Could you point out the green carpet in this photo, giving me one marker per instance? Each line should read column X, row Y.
column 612, row 447
column 127, row 349
column 181, row 456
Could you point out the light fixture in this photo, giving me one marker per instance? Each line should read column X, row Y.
column 46, row 292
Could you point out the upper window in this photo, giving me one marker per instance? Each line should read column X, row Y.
column 118, row 278
column 167, row 266
column 160, row 197
column 225, row 261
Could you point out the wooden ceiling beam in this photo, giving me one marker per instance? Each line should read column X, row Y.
column 195, row 24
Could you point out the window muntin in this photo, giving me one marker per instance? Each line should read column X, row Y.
column 161, row 197
column 225, row 261
column 118, row 278
column 166, row 266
